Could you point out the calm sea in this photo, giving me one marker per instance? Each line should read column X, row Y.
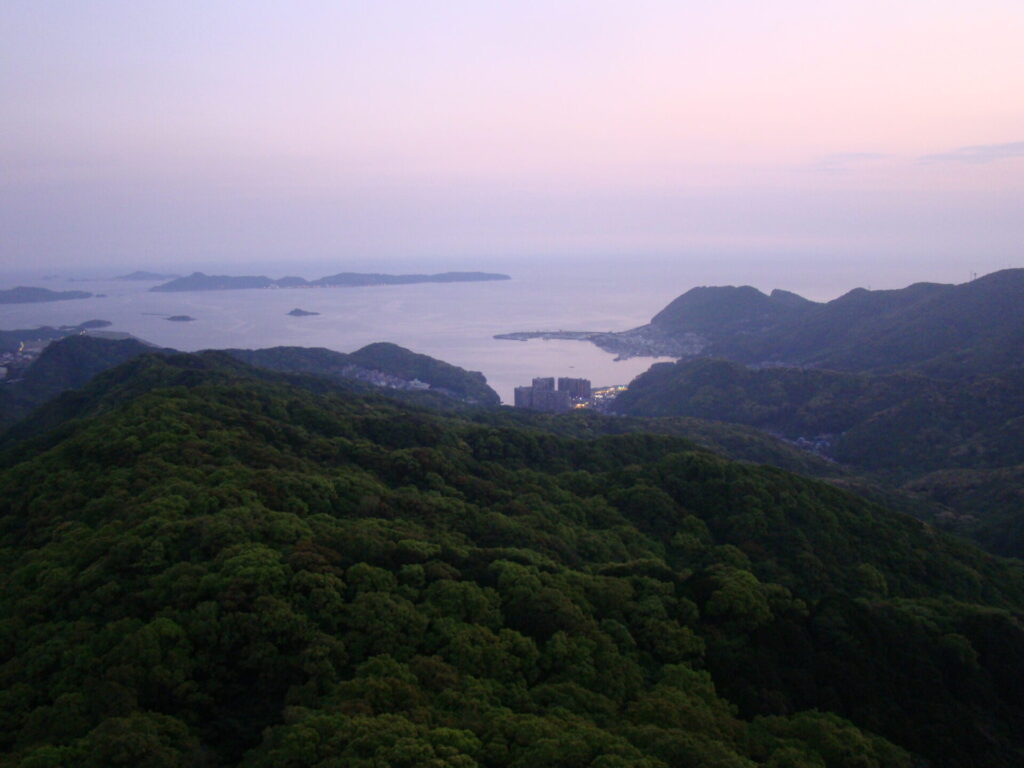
column 454, row 322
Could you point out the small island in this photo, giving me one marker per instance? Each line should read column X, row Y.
column 302, row 313
column 180, row 318
column 25, row 295
column 198, row 281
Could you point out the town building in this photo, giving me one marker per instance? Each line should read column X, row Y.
column 578, row 389
column 542, row 395
column 524, row 397
column 551, row 400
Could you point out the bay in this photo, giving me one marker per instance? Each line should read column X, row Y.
column 454, row 322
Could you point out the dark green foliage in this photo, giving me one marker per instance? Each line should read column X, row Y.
column 724, row 310
column 209, row 566
column 946, row 331
column 985, row 504
column 905, row 423
column 952, row 444
column 73, row 361
column 390, row 359
column 65, row 364
column 398, row 361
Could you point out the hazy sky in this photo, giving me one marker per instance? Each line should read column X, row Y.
column 155, row 133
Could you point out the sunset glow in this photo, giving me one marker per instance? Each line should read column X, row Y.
column 492, row 128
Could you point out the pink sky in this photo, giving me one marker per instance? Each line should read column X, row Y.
column 404, row 128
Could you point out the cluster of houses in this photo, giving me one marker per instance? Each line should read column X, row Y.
column 13, row 362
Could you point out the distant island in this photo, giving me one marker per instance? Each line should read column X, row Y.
column 198, row 281
column 143, row 275
column 25, row 295
column 302, row 313
column 180, row 319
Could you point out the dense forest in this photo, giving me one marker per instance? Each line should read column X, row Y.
column 202, row 563
column 954, row 445
column 942, row 331
column 72, row 361
column 903, row 423
column 447, row 379
column 917, row 392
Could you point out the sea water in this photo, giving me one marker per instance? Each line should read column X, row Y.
column 454, row 322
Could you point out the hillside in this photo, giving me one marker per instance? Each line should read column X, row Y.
column 68, row 363
column 396, row 362
column 210, row 566
column 11, row 341
column 943, row 331
column 897, row 428
column 72, row 361
column 725, row 310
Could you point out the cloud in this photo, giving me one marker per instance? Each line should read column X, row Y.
column 983, row 153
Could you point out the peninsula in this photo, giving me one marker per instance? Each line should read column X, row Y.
column 199, row 281
column 947, row 331
column 644, row 341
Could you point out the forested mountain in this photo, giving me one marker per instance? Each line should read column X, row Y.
column 71, row 362
column 903, row 423
column 944, row 331
column 206, row 564
column 65, row 364
column 905, row 430
column 389, row 359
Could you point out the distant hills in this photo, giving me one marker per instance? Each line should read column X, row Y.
column 946, row 331
column 366, row 364
column 71, row 362
column 198, row 281
column 919, row 389
column 902, row 424
column 27, row 295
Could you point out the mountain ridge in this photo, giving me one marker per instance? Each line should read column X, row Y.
column 235, row 571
